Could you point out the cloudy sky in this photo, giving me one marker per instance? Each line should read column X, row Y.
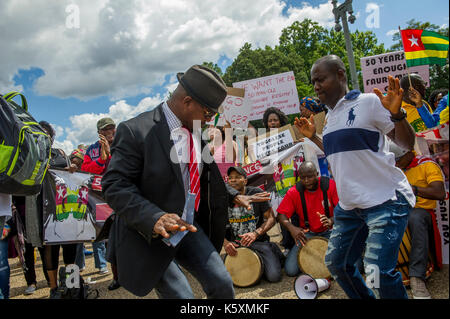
column 79, row 60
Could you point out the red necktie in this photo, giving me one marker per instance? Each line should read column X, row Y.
column 194, row 177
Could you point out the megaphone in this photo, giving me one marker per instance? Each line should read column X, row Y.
column 306, row 287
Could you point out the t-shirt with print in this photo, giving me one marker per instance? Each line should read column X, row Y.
column 292, row 203
column 356, row 146
column 242, row 221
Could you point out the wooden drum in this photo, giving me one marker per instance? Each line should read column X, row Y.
column 246, row 268
column 311, row 258
column 403, row 259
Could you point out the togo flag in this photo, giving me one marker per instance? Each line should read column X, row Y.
column 424, row 47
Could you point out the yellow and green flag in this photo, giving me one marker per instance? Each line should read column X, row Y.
column 424, row 47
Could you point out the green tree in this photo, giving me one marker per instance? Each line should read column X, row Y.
column 312, row 41
column 213, row 66
column 255, row 63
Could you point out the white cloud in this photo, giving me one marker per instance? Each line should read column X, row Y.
column 83, row 129
column 123, row 47
column 390, row 33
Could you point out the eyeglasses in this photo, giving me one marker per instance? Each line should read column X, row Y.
column 207, row 112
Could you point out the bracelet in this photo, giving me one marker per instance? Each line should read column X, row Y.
column 402, row 117
column 415, row 190
column 257, row 234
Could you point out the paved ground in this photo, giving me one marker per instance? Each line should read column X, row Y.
column 438, row 284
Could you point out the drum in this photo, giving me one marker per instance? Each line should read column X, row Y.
column 311, row 258
column 403, row 259
column 246, row 268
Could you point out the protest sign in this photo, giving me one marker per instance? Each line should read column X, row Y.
column 443, row 225
column 274, row 141
column 234, row 109
column 71, row 204
column 375, row 70
column 435, row 144
column 277, row 90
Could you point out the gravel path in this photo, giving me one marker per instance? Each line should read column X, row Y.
column 437, row 284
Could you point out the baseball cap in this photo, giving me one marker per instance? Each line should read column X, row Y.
column 104, row 122
column 238, row 169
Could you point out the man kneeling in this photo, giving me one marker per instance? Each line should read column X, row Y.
column 248, row 228
column 313, row 199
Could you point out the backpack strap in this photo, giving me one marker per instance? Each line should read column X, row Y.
column 9, row 96
column 324, row 186
column 301, row 191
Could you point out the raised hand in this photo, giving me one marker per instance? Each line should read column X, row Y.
column 392, row 101
column 415, row 97
column 105, row 150
column 246, row 200
column 327, row 222
column 305, row 126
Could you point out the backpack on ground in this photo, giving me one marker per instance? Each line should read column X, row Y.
column 83, row 291
column 24, row 148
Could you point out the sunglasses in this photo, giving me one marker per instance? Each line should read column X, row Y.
column 207, row 112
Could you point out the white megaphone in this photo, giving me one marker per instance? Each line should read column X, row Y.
column 306, row 287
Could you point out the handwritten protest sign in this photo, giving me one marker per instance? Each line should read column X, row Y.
column 277, row 90
column 272, row 142
column 375, row 70
column 235, row 109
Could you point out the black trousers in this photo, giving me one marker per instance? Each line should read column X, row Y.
column 30, row 273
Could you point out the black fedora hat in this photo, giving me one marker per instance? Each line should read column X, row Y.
column 204, row 85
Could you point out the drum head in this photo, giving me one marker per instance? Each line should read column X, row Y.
column 245, row 268
column 311, row 258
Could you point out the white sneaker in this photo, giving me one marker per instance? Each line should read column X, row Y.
column 30, row 290
column 103, row 270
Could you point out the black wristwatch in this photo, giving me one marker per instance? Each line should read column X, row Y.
column 401, row 118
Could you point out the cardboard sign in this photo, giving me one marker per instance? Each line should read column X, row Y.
column 235, row 109
column 270, row 143
column 442, row 220
column 277, row 90
column 375, row 70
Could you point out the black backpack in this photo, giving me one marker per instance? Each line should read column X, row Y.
column 84, row 291
column 324, row 185
column 24, row 148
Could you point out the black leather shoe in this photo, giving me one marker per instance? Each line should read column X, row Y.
column 114, row 285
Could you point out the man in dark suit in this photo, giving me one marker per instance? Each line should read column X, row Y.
column 147, row 183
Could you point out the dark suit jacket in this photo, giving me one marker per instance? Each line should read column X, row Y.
column 141, row 184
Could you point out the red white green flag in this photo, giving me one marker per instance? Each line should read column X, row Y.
column 424, row 47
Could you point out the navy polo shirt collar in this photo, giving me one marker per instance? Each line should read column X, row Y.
column 352, row 95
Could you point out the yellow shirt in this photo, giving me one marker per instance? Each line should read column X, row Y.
column 413, row 116
column 421, row 176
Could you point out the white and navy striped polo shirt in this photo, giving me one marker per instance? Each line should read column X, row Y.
column 357, row 149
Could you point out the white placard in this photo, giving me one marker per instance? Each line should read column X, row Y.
column 277, row 90
column 375, row 70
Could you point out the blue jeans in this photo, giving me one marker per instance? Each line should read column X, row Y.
column 291, row 264
column 197, row 255
column 272, row 257
column 381, row 228
column 99, row 254
column 4, row 269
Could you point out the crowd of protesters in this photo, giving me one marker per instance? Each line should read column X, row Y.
column 306, row 210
